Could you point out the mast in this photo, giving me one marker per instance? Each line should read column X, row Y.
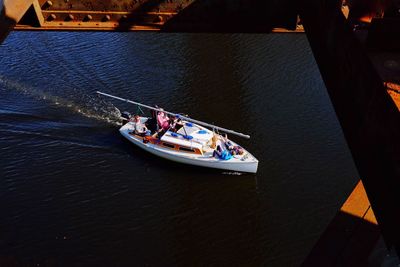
column 178, row 115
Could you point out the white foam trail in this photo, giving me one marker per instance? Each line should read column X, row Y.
column 233, row 173
column 91, row 105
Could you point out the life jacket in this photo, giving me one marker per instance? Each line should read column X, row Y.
column 225, row 155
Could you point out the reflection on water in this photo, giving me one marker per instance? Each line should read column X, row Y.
column 75, row 192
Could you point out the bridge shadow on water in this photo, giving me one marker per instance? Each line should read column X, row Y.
column 347, row 241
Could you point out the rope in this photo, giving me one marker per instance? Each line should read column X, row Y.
column 139, row 109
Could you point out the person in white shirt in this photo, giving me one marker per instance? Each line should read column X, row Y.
column 139, row 127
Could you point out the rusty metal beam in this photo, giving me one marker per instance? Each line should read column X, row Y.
column 165, row 15
column 369, row 118
column 124, row 15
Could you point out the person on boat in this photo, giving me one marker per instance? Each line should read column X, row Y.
column 222, row 154
column 234, row 150
column 214, row 141
column 175, row 124
column 163, row 120
column 139, row 127
column 151, row 123
column 217, row 152
column 227, row 143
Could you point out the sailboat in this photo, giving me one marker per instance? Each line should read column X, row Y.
column 190, row 141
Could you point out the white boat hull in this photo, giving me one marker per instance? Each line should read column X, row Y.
column 249, row 164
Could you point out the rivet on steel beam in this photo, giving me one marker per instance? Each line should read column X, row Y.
column 47, row 4
column 159, row 19
column 88, row 18
column 69, row 17
column 106, row 18
column 51, row 17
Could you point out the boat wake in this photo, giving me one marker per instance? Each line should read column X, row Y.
column 233, row 173
column 76, row 101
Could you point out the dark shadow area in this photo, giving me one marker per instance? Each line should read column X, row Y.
column 368, row 116
column 221, row 16
column 30, row 18
column 215, row 16
column 384, row 34
column 387, row 63
column 254, row 16
column 6, row 25
column 347, row 241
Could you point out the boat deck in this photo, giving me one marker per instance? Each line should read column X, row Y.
column 194, row 148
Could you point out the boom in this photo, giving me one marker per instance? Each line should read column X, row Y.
column 178, row 115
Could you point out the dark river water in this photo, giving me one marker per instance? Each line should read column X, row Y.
column 73, row 192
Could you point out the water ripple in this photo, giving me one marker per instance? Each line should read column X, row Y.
column 72, row 187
